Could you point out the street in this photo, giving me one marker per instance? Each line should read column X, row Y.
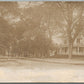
column 24, row 70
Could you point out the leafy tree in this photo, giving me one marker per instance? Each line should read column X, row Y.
column 72, row 13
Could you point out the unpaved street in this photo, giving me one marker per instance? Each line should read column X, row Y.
column 24, row 70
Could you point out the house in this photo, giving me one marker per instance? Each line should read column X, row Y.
column 78, row 47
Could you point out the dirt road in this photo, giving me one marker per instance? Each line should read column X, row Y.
column 24, row 70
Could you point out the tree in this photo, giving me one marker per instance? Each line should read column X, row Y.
column 73, row 18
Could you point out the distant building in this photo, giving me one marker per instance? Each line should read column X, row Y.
column 78, row 47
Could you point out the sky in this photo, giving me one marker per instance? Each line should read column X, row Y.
column 29, row 4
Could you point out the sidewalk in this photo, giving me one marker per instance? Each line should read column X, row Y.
column 60, row 61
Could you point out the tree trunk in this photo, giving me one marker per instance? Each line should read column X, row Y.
column 70, row 50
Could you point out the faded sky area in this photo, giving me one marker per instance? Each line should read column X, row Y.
column 26, row 4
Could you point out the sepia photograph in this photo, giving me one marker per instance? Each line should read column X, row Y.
column 42, row 41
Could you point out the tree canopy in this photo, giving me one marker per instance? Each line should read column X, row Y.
column 27, row 28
